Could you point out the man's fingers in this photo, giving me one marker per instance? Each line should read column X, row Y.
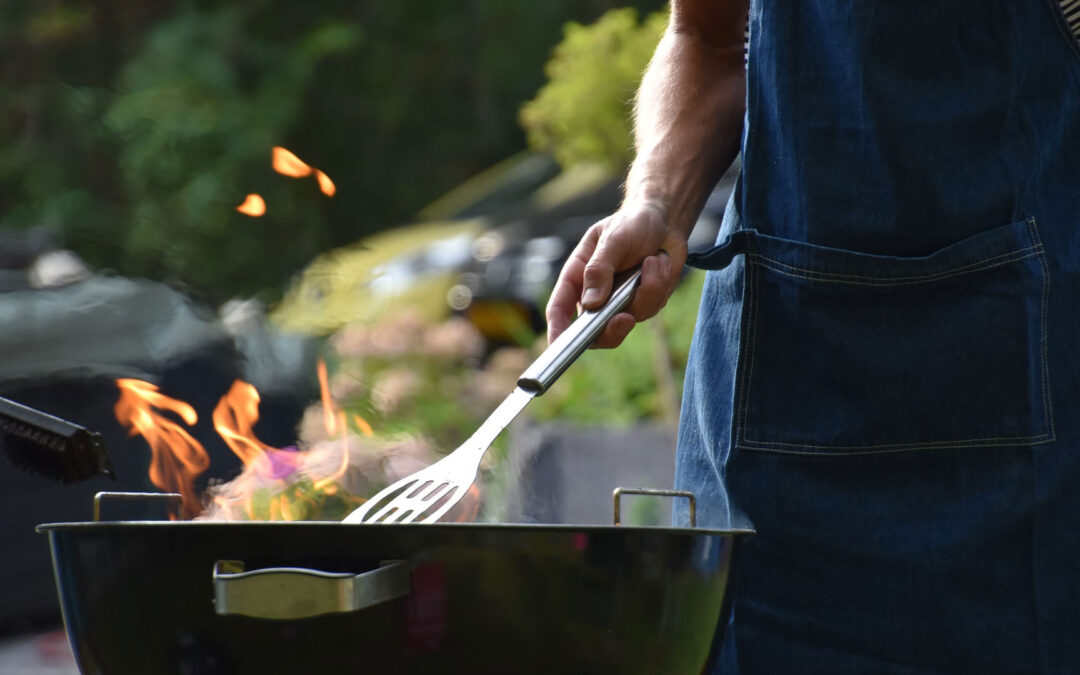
column 615, row 332
column 562, row 306
column 597, row 278
column 659, row 276
column 653, row 290
column 615, row 251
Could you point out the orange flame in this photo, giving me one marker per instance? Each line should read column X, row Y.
column 253, row 206
column 234, row 419
column 363, row 426
column 326, row 481
column 289, row 164
column 329, row 407
column 334, row 421
column 176, row 458
column 325, row 184
column 469, row 506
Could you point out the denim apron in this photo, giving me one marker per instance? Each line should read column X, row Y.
column 886, row 365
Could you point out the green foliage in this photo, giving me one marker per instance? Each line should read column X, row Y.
column 583, row 113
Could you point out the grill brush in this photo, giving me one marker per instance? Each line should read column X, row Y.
column 44, row 444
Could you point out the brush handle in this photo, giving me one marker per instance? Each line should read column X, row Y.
column 38, row 420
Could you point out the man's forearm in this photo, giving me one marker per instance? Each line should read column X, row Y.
column 689, row 111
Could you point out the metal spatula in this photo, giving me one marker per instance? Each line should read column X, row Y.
column 427, row 495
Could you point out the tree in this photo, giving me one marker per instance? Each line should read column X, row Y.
column 583, row 113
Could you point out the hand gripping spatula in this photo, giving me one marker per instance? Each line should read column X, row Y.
column 427, row 495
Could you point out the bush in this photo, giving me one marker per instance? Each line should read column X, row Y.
column 584, row 111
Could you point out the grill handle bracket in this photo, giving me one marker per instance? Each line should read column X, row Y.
column 285, row 593
column 112, row 496
column 620, row 491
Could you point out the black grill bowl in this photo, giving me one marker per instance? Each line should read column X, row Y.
column 138, row 597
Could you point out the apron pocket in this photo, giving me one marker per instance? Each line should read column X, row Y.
column 845, row 352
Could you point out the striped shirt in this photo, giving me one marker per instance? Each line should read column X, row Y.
column 1071, row 11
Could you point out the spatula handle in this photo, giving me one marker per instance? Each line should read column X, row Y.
column 576, row 339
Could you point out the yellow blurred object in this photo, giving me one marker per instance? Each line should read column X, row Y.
column 572, row 183
column 508, row 183
column 411, row 267
column 501, row 320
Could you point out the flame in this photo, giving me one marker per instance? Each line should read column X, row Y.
column 363, row 426
column 234, row 419
column 276, row 483
column 330, row 419
column 289, row 164
column 469, row 505
column 176, row 458
column 334, row 421
column 253, row 206
column 325, row 482
column 325, row 184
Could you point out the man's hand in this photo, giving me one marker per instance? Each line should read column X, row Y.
column 637, row 233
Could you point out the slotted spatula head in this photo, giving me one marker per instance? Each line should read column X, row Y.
column 428, row 494
column 422, row 497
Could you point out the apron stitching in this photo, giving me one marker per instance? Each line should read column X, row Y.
column 1048, row 409
column 882, row 451
column 963, row 442
column 1036, row 588
column 833, row 277
column 752, row 273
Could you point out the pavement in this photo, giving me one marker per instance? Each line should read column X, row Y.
column 37, row 654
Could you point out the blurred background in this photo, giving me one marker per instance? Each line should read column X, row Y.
column 358, row 208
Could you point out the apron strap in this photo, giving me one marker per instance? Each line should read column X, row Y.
column 720, row 256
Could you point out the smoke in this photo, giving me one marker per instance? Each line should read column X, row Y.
column 325, row 481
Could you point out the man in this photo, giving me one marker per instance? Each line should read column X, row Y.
column 886, row 356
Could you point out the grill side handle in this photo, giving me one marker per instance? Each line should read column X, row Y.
column 620, row 491
column 286, row 593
